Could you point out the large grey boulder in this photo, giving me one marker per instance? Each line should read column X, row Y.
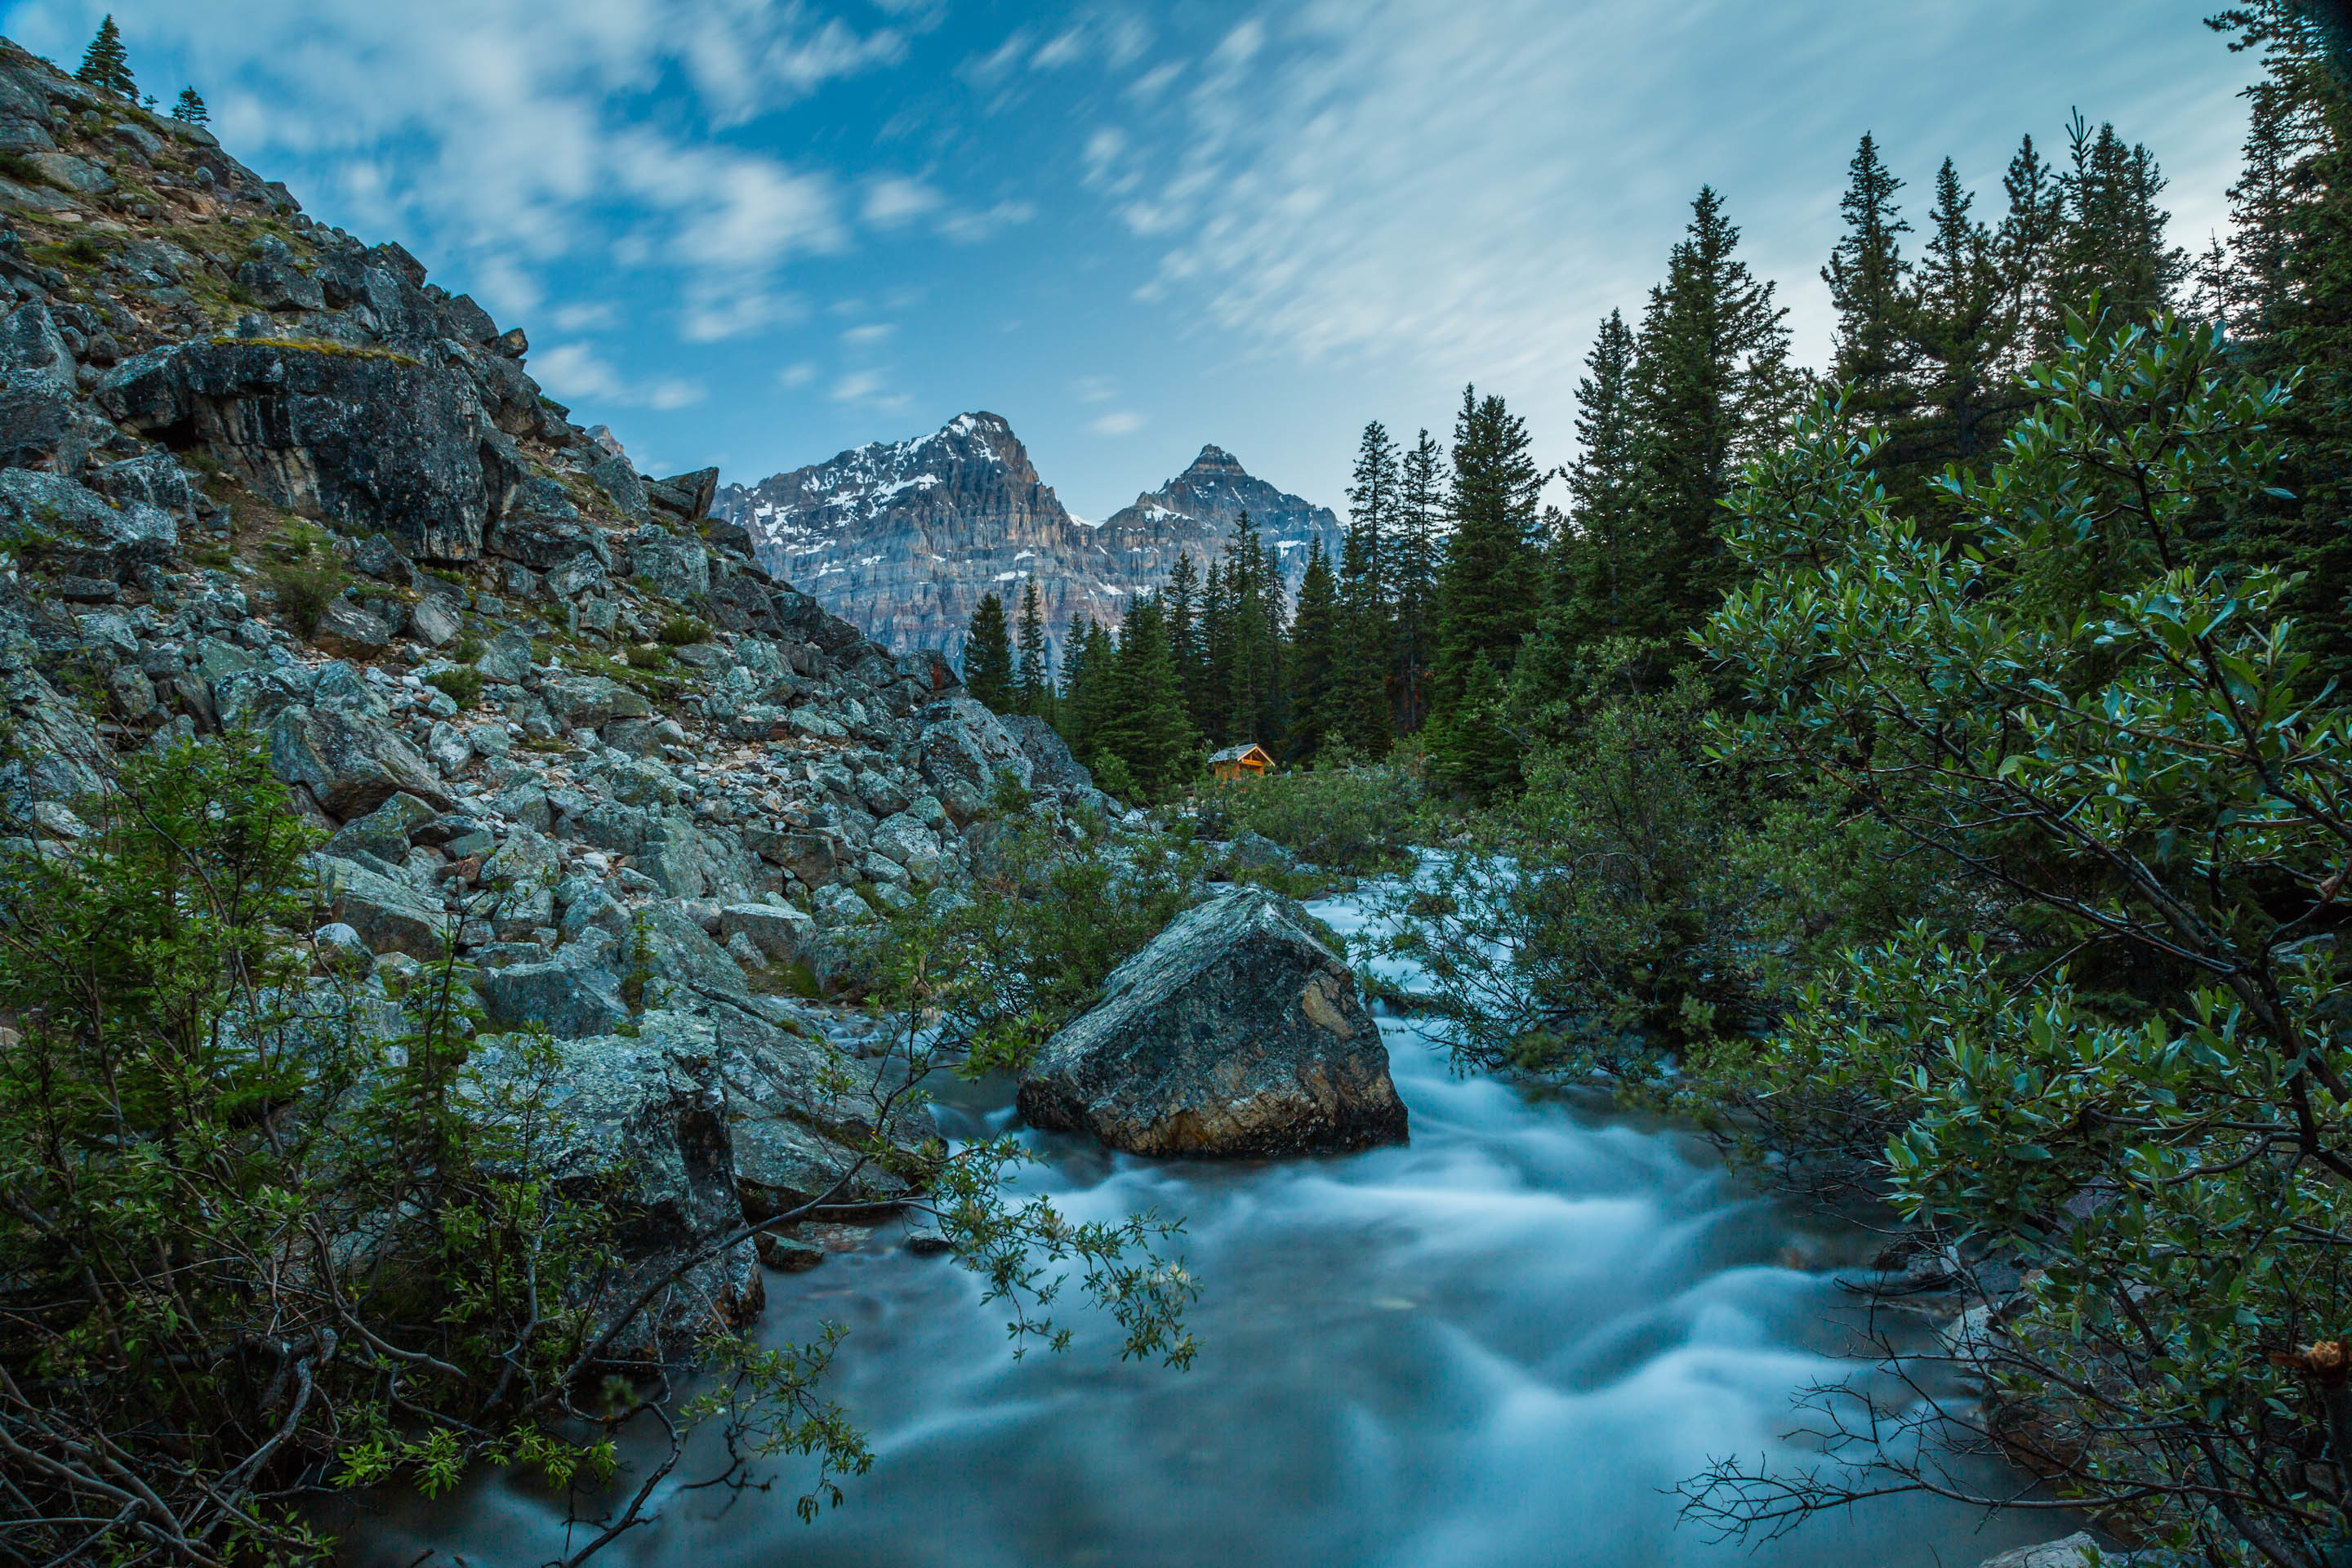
column 1234, row 1032
column 36, row 385
column 672, row 568
column 805, row 1116
column 390, row 915
column 364, row 438
column 965, row 753
column 351, row 764
column 637, row 1131
column 79, row 530
column 1052, row 771
column 569, row 998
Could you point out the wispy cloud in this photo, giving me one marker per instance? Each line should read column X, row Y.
column 580, row 371
column 1120, row 423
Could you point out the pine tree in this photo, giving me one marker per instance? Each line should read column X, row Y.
column 1594, row 569
column 1963, row 334
column 1033, row 683
column 1414, row 552
column 1144, row 724
column 1492, row 582
column 106, row 64
column 190, row 109
column 1866, row 276
column 1715, row 390
column 988, row 656
column 2110, row 241
column 1360, row 708
column 2293, row 273
column 1253, row 673
column 1318, row 667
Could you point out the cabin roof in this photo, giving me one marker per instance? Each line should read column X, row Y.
column 1239, row 754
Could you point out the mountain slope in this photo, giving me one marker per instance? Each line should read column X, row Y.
column 903, row 538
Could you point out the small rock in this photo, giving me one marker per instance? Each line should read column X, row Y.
column 788, row 1253
column 928, row 1241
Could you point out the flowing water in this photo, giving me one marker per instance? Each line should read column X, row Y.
column 1503, row 1344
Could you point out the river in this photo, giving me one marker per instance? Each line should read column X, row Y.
column 1502, row 1344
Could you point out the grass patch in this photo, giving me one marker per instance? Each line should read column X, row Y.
column 648, row 656
column 679, row 630
column 314, row 346
column 462, row 686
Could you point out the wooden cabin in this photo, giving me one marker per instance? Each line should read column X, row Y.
column 1235, row 761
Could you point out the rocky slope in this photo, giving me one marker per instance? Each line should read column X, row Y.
column 258, row 475
column 903, row 538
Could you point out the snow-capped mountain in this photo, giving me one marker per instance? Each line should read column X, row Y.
column 904, row 538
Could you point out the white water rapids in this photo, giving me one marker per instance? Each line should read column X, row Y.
column 1503, row 1344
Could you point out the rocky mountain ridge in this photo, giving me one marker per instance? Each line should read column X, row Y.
column 259, row 477
column 903, row 538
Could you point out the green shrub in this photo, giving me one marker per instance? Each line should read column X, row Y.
column 680, row 630
column 305, row 588
column 648, row 656
column 1345, row 818
column 1044, row 925
column 466, row 648
column 464, row 687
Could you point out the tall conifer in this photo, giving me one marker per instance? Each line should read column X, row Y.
column 1360, row 708
column 1414, row 552
column 988, row 656
column 1866, row 276
column 1033, row 685
column 1320, row 668
column 106, row 63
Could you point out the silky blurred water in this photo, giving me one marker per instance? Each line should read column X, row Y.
column 1501, row 1344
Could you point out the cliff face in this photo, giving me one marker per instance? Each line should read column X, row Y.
column 903, row 538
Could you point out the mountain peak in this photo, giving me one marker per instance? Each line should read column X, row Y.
column 1216, row 459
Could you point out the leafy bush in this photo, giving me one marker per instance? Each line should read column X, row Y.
column 1046, row 923
column 680, row 629
column 467, row 647
column 2050, row 699
column 648, row 656
column 464, row 686
column 304, row 575
column 1344, row 817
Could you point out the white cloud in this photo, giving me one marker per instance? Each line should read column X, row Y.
column 1119, row 424
column 892, row 202
column 588, row 316
column 1094, row 389
column 799, row 373
column 499, row 137
column 577, row 371
column 869, row 389
column 870, row 333
column 972, row 227
column 1460, row 191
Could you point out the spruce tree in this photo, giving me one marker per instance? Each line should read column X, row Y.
column 1033, row 685
column 1715, row 390
column 1360, row 708
column 1962, row 331
column 1595, row 568
column 1414, row 552
column 988, row 656
column 1866, row 276
column 106, row 64
column 1492, row 582
column 1253, row 676
column 2292, row 271
column 189, row 108
column 2110, row 243
column 1144, row 724
column 1319, row 666
column 1211, row 699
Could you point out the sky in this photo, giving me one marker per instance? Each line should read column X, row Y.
column 755, row 234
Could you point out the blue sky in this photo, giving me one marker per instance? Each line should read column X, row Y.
column 754, row 234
